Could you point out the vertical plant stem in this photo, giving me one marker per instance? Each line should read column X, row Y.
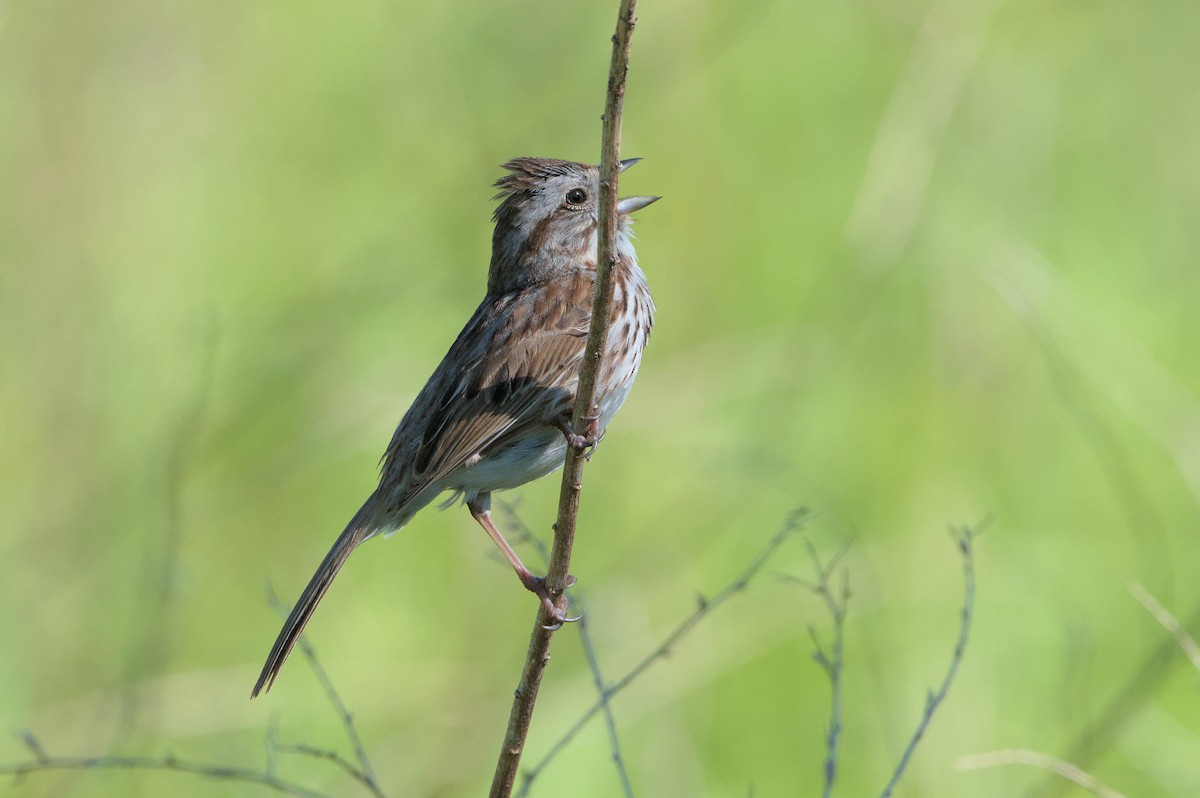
column 572, row 483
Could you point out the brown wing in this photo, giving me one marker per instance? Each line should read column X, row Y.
column 515, row 364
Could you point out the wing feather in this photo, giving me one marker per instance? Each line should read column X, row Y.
column 515, row 364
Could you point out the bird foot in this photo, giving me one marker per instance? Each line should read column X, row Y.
column 584, row 444
column 558, row 614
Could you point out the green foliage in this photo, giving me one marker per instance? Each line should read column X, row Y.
column 915, row 264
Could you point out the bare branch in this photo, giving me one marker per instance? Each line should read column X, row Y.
column 332, row 757
column 704, row 606
column 964, row 538
column 1017, row 756
column 521, row 533
column 832, row 662
column 42, row 761
column 602, row 690
column 364, row 773
column 557, row 579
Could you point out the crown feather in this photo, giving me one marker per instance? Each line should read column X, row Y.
column 528, row 174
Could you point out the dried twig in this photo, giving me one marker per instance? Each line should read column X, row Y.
column 332, row 757
column 568, row 507
column 965, row 539
column 42, row 761
column 1017, row 756
column 602, row 690
column 704, row 606
column 831, row 661
column 363, row 772
column 520, row 533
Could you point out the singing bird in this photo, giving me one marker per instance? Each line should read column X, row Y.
column 496, row 412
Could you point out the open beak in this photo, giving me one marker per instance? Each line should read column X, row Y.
column 628, row 205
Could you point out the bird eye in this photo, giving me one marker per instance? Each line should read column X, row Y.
column 576, row 196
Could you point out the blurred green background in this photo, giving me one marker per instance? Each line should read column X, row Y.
column 917, row 263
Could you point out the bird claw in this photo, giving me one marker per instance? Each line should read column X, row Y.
column 537, row 586
column 584, row 445
column 558, row 624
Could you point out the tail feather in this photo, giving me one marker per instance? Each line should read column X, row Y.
column 355, row 533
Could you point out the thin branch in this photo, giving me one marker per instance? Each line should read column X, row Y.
column 42, row 761
column 1168, row 621
column 602, row 690
column 558, row 578
column 523, row 534
column 964, row 538
column 332, row 757
column 832, row 662
column 1017, row 756
column 704, row 606
column 364, row 773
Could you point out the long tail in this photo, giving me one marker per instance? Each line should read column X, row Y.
column 358, row 530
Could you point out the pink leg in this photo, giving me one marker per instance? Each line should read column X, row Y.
column 481, row 511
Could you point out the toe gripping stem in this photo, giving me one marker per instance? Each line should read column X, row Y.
column 557, row 614
column 584, row 444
